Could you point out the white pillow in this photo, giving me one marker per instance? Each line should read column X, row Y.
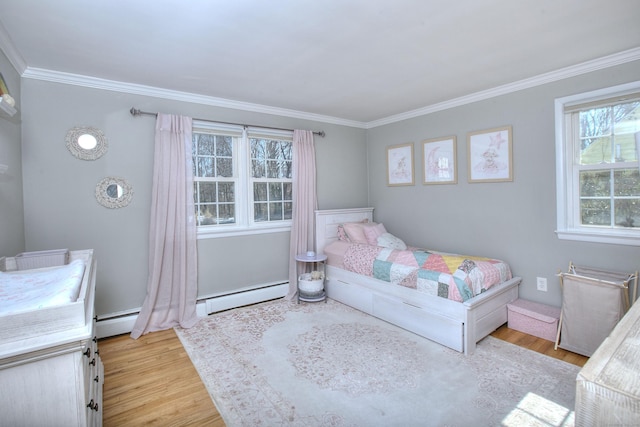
column 388, row 240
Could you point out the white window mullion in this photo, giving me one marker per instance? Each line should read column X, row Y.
column 244, row 170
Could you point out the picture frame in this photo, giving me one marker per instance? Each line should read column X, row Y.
column 439, row 160
column 400, row 170
column 490, row 155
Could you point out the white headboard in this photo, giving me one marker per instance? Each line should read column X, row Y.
column 327, row 222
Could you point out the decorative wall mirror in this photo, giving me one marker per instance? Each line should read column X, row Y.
column 86, row 143
column 113, row 192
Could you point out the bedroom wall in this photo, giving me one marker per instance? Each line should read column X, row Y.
column 61, row 211
column 514, row 221
column 11, row 206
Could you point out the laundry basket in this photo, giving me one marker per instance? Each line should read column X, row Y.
column 593, row 301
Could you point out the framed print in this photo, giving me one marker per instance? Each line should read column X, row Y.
column 439, row 156
column 490, row 155
column 400, row 165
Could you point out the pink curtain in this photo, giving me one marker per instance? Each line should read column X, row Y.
column 172, row 282
column 304, row 201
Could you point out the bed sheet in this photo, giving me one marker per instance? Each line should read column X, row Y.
column 34, row 289
column 452, row 276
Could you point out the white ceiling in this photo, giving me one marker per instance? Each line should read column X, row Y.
column 358, row 60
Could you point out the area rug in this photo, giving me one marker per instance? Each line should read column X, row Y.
column 281, row 363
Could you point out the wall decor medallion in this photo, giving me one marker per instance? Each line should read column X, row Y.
column 86, row 143
column 113, row 192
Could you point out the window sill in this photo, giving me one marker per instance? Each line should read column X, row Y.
column 233, row 231
column 620, row 238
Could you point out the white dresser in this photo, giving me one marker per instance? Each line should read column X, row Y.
column 55, row 378
column 608, row 386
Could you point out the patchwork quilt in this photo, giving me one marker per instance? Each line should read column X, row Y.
column 451, row 276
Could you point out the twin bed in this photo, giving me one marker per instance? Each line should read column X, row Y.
column 451, row 299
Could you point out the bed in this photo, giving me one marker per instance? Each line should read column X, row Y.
column 43, row 301
column 456, row 315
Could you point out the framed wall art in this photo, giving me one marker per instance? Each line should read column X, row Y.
column 490, row 155
column 439, row 157
column 400, row 165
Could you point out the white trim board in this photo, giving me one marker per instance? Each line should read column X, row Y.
column 118, row 324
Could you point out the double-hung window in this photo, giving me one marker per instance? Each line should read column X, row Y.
column 242, row 179
column 597, row 168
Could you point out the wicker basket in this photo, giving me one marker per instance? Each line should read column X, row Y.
column 309, row 287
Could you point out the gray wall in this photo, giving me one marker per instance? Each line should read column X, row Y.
column 61, row 211
column 514, row 221
column 11, row 206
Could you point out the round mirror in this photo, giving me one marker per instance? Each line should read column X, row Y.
column 86, row 143
column 113, row 192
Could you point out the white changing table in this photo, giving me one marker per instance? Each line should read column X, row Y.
column 50, row 369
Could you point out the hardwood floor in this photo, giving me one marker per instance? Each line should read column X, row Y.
column 151, row 381
column 538, row 344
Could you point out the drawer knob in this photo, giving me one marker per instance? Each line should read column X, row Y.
column 92, row 405
column 87, row 352
column 93, row 362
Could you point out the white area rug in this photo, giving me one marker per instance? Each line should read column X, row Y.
column 325, row 364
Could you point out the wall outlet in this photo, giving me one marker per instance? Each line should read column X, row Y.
column 542, row 284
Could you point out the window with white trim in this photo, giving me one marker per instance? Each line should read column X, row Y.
column 597, row 169
column 243, row 181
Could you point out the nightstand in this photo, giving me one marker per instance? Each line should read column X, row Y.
column 311, row 289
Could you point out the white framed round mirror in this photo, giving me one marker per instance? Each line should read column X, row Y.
column 86, row 143
column 113, row 192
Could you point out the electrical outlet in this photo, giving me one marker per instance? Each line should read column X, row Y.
column 542, row 284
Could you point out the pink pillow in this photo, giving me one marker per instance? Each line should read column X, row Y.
column 373, row 231
column 364, row 233
column 355, row 232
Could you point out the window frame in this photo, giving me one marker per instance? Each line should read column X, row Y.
column 245, row 224
column 567, row 201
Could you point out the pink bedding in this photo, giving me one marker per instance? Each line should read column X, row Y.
column 452, row 276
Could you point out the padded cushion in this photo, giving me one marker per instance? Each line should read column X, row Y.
column 388, row 240
column 372, row 231
column 355, row 232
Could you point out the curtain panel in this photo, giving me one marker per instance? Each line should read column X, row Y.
column 304, row 202
column 172, row 281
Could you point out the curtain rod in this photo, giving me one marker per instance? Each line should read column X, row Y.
column 136, row 112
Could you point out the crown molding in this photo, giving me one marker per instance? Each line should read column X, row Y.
column 97, row 83
column 137, row 89
column 553, row 76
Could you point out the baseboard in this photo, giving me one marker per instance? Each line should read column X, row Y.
column 118, row 324
column 115, row 326
column 225, row 302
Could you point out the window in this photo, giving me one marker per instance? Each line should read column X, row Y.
column 242, row 179
column 598, row 173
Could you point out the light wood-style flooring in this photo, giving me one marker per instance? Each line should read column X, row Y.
column 151, row 381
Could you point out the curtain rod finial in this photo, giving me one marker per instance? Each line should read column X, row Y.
column 321, row 133
column 134, row 111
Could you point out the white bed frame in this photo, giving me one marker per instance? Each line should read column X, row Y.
column 453, row 324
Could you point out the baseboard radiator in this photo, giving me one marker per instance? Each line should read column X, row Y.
column 122, row 323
